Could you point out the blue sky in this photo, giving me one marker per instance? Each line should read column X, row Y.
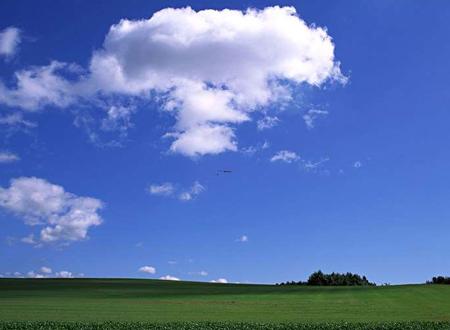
column 110, row 177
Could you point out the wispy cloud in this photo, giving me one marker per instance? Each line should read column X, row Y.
column 16, row 120
column 285, row 156
column 242, row 239
column 164, row 189
column 195, row 190
column 168, row 189
column 8, row 157
column 311, row 116
column 267, row 122
column 200, row 273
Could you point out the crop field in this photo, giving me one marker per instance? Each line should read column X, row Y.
column 154, row 304
column 222, row 326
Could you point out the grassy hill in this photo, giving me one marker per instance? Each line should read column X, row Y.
column 161, row 301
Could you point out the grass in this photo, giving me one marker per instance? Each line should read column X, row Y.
column 98, row 300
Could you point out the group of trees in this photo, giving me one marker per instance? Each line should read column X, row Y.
column 439, row 280
column 333, row 279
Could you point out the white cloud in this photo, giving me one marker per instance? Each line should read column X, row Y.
column 195, row 190
column 118, row 118
column 285, row 156
column 211, row 69
column 311, row 166
column 168, row 189
column 16, row 119
column 169, row 278
column 267, row 122
column 46, row 270
column 357, row 164
column 165, row 189
column 38, row 87
column 147, row 269
column 312, row 115
column 32, row 274
column 64, row 274
column 251, row 150
column 8, row 157
column 9, row 41
column 172, row 262
column 29, row 239
column 243, row 239
column 200, row 273
column 220, row 280
column 204, row 139
column 65, row 217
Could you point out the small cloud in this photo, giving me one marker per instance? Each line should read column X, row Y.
column 172, row 262
column 8, row 157
column 9, row 41
column 64, row 274
column 195, row 190
column 312, row 115
column 243, row 239
column 357, row 164
column 32, row 274
column 200, row 273
column 139, row 244
column 310, row 166
column 267, row 122
column 169, row 278
column 118, row 118
column 165, row 189
column 147, row 269
column 285, row 156
column 28, row 239
column 220, row 280
column 251, row 150
column 46, row 270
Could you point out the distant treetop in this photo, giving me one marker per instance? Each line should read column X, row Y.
column 334, row 279
column 439, row 280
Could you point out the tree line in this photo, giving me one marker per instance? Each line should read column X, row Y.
column 334, row 279
column 439, row 280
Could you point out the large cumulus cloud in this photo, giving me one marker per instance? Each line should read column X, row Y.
column 211, row 68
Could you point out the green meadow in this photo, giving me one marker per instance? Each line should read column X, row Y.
column 133, row 300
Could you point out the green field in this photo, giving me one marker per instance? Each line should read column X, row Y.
column 97, row 300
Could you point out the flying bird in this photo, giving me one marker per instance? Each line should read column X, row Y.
column 223, row 172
